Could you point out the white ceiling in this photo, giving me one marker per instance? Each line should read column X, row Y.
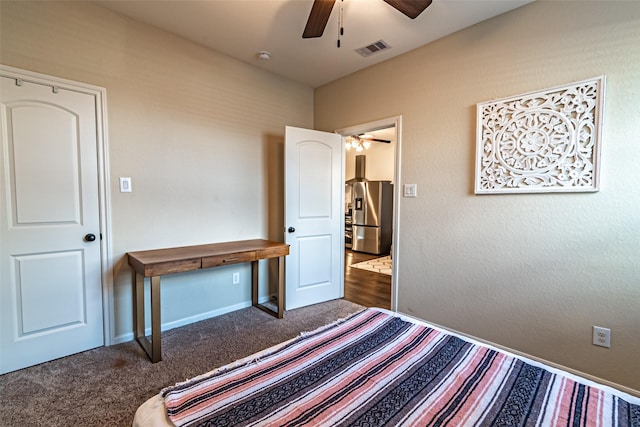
column 242, row 28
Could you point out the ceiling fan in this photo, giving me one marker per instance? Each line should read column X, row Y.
column 362, row 141
column 321, row 10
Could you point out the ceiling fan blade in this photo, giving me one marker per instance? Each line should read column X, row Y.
column 411, row 8
column 318, row 18
column 370, row 138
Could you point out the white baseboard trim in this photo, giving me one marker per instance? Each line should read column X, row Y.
column 185, row 321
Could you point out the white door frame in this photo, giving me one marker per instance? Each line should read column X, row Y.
column 106, row 255
column 370, row 127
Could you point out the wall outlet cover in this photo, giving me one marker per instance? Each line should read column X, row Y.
column 601, row 336
column 410, row 190
column 125, row 184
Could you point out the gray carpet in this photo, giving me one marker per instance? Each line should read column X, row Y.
column 105, row 386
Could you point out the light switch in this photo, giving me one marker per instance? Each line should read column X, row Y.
column 125, row 184
column 410, row 190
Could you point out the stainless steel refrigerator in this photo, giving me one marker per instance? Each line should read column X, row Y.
column 372, row 213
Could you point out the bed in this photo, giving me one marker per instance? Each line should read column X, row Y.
column 378, row 368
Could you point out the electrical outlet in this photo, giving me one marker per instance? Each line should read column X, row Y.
column 602, row 336
column 236, row 278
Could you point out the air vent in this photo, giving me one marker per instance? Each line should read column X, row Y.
column 376, row 47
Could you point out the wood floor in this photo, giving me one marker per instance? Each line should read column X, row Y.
column 365, row 287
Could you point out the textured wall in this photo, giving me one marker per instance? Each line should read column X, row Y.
column 531, row 272
column 200, row 134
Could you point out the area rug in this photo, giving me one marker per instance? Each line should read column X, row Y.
column 378, row 265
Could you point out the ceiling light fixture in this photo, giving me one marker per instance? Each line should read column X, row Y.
column 357, row 143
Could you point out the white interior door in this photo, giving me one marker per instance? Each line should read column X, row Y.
column 50, row 266
column 314, row 187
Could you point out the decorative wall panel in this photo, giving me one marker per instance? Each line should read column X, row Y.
column 539, row 142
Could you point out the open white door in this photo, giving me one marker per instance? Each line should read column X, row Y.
column 50, row 257
column 313, row 217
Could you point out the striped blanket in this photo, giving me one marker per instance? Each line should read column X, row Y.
column 375, row 369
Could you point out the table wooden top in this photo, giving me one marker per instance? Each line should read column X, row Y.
column 186, row 258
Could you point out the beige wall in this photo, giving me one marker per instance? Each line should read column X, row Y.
column 379, row 160
column 199, row 133
column 529, row 272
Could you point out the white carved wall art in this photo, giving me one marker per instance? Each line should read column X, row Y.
column 539, row 142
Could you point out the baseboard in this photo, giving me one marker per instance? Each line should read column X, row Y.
column 185, row 321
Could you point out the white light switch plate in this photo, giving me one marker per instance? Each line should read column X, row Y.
column 410, row 190
column 125, row 184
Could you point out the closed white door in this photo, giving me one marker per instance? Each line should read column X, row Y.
column 314, row 187
column 50, row 262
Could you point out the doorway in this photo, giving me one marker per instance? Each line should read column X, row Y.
column 370, row 259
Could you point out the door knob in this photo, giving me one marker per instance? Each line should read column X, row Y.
column 89, row 237
column 291, row 230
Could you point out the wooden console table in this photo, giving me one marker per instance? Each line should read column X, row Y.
column 159, row 262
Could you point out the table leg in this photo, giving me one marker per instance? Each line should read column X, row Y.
column 138, row 305
column 254, row 283
column 280, row 287
column 279, row 312
column 156, row 340
column 153, row 348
